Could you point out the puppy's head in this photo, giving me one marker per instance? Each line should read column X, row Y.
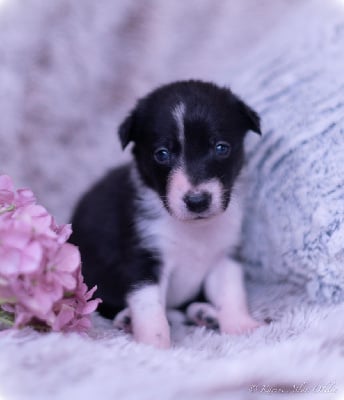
column 188, row 145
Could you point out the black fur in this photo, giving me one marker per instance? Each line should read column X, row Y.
column 113, row 257
column 213, row 114
column 103, row 228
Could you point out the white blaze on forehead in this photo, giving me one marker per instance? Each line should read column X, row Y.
column 179, row 185
column 178, row 113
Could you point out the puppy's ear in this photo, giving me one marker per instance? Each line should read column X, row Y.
column 126, row 130
column 252, row 118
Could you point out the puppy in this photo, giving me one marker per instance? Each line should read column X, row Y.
column 162, row 231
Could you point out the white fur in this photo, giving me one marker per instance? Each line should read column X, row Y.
column 224, row 288
column 189, row 249
column 178, row 113
column 179, row 185
column 148, row 316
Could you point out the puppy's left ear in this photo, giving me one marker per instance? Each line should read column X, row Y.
column 126, row 130
column 252, row 118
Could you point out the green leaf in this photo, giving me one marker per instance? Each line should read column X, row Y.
column 10, row 300
column 6, row 318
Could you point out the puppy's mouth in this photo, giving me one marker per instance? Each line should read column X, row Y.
column 189, row 202
column 186, row 216
column 198, row 217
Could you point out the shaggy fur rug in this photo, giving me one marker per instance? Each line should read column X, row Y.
column 68, row 73
column 299, row 353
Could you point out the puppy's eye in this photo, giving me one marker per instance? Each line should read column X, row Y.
column 222, row 149
column 162, row 156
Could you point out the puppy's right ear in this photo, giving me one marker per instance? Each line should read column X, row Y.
column 126, row 130
column 252, row 118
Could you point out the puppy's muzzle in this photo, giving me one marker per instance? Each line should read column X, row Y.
column 197, row 202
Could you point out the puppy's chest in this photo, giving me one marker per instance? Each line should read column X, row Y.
column 189, row 251
column 188, row 256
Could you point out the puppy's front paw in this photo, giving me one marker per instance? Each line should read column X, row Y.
column 202, row 314
column 159, row 338
column 153, row 330
column 122, row 321
column 239, row 325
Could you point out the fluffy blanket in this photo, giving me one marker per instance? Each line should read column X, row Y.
column 68, row 73
column 299, row 353
column 296, row 191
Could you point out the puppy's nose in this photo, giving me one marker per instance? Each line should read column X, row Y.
column 197, row 202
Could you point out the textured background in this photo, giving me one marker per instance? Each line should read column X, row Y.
column 294, row 226
column 70, row 70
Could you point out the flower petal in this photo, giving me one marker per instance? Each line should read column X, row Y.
column 9, row 261
column 25, row 197
column 66, row 280
column 65, row 315
column 6, row 183
column 31, row 258
column 90, row 306
column 68, row 258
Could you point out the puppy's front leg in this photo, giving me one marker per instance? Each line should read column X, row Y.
column 148, row 316
column 224, row 288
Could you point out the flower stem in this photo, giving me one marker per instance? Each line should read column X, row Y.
column 10, row 300
column 6, row 318
column 8, row 209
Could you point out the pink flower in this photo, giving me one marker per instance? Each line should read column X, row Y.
column 74, row 311
column 40, row 274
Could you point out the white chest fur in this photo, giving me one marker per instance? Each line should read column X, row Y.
column 188, row 249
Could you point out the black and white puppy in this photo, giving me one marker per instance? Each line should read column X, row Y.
column 157, row 233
